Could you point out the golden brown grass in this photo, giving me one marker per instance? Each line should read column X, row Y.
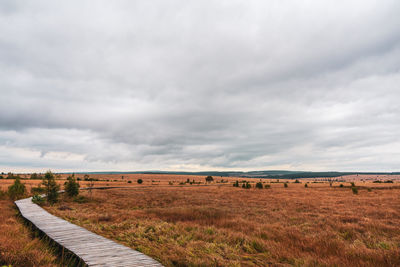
column 118, row 180
column 17, row 246
column 226, row 226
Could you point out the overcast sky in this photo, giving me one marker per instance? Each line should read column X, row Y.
column 200, row 85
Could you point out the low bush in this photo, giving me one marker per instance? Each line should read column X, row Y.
column 267, row 186
column 209, row 179
column 354, row 190
column 139, row 181
column 37, row 199
column 129, row 182
column 341, row 185
column 257, row 246
column 285, row 185
column 80, row 199
column 246, row 185
column 305, row 185
column 38, row 190
column 236, row 184
column 35, row 176
column 297, row 181
column 259, row 185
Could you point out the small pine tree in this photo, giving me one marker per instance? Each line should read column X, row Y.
column 236, row 184
column 285, row 185
column 16, row 190
column 305, row 185
column 51, row 187
column 259, row 185
column 71, row 186
column 248, row 185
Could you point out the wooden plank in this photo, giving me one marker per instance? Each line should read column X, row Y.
column 92, row 249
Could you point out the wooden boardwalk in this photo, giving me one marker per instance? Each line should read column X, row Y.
column 92, row 249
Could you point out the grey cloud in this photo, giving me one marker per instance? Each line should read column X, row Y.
column 128, row 85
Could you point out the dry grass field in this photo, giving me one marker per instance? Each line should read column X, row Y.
column 125, row 180
column 18, row 247
column 220, row 225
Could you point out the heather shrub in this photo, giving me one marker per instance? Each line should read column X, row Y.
column 248, row 185
column 209, row 179
column 35, row 176
column 80, row 199
column 354, row 190
column 257, row 246
column 38, row 190
column 37, row 199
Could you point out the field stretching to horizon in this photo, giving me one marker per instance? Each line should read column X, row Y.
column 180, row 220
column 183, row 224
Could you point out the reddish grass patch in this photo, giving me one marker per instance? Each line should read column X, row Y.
column 209, row 226
column 17, row 247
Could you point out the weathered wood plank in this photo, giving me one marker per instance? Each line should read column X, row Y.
column 92, row 249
